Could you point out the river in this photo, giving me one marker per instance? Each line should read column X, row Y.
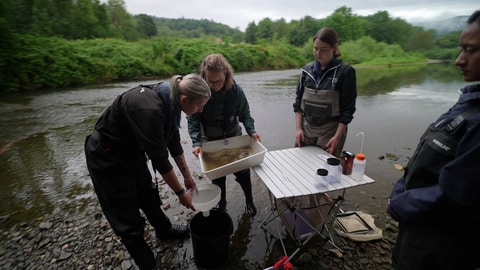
column 42, row 165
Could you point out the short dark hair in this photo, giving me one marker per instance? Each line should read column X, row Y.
column 329, row 36
column 475, row 17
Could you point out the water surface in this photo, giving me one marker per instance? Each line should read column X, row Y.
column 42, row 165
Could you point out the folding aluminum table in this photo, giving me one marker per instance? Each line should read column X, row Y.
column 289, row 175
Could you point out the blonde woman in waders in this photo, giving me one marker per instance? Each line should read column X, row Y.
column 326, row 95
column 142, row 123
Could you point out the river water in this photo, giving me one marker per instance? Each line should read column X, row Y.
column 42, row 165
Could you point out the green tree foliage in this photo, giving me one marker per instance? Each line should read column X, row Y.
column 59, row 43
column 348, row 25
column 190, row 28
column 145, row 26
column 251, row 33
column 302, row 31
column 265, row 30
column 421, row 41
column 367, row 51
column 449, row 40
column 381, row 27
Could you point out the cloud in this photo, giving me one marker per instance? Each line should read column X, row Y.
column 240, row 13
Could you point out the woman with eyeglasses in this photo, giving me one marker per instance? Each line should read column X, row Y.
column 220, row 118
column 326, row 96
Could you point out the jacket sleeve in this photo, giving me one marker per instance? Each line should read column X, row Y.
column 174, row 145
column 348, row 96
column 299, row 94
column 243, row 111
column 194, row 129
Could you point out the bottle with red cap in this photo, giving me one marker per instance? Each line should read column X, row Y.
column 358, row 168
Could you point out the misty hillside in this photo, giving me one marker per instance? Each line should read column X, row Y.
column 444, row 26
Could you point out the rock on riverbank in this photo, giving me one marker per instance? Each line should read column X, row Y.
column 84, row 240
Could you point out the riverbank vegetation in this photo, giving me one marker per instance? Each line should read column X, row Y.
column 57, row 44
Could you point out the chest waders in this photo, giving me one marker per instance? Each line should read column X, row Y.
column 321, row 110
column 436, row 148
column 216, row 124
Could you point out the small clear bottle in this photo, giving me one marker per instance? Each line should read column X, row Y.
column 320, row 178
column 358, row 169
column 334, row 170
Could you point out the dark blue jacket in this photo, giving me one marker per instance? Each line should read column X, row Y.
column 454, row 198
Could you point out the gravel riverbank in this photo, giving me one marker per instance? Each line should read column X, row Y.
column 81, row 238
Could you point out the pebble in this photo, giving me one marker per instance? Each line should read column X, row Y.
column 84, row 240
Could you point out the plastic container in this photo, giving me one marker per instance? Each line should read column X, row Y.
column 258, row 153
column 321, row 178
column 358, row 169
column 346, row 160
column 211, row 238
column 334, row 170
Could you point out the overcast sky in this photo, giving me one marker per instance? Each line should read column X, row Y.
column 238, row 13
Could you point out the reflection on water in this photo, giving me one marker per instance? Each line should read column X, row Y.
column 42, row 164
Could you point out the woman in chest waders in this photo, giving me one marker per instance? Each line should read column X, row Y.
column 326, row 94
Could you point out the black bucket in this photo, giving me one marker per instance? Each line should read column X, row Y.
column 211, row 238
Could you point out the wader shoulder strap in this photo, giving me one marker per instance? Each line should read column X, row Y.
column 457, row 121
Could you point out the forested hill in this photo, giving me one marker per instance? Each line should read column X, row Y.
column 190, row 28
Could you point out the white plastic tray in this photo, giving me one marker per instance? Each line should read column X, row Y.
column 234, row 142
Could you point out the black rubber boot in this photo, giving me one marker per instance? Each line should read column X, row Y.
column 140, row 251
column 220, row 182
column 244, row 179
column 175, row 232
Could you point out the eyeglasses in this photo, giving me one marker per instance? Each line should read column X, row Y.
column 323, row 49
column 217, row 82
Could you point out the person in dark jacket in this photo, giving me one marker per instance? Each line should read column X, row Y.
column 436, row 201
column 220, row 119
column 141, row 124
column 325, row 97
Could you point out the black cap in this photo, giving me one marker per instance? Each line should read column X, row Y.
column 333, row 161
column 322, row 172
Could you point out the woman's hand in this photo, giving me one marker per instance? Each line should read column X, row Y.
column 331, row 144
column 299, row 138
column 197, row 150
column 256, row 137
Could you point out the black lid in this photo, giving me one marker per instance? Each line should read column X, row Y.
column 322, row 172
column 347, row 154
column 333, row 161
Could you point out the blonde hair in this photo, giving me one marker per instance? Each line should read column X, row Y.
column 216, row 63
column 192, row 85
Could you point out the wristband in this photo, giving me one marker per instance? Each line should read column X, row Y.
column 180, row 192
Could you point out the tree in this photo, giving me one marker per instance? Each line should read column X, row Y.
column 251, row 33
column 145, row 25
column 302, row 31
column 385, row 29
column 347, row 25
column 121, row 21
column 265, row 29
column 280, row 29
column 421, row 40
